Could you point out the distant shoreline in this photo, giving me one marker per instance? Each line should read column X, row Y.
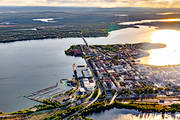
column 11, row 41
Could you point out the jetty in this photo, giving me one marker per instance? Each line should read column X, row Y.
column 41, row 91
column 45, row 93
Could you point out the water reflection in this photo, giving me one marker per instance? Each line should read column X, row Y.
column 124, row 114
column 148, row 21
column 166, row 56
column 168, row 13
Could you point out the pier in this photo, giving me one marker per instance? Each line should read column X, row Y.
column 43, row 90
column 45, row 93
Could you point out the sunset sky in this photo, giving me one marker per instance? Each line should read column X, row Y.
column 94, row 3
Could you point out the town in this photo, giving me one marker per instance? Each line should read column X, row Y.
column 113, row 76
column 117, row 68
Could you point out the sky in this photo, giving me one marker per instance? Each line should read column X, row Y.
column 94, row 3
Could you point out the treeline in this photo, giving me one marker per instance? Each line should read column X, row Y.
column 55, row 104
column 144, row 107
column 1, row 112
column 64, row 113
column 144, row 46
column 46, row 33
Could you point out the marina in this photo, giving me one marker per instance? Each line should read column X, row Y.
column 45, row 93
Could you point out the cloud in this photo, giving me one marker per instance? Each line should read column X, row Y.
column 93, row 3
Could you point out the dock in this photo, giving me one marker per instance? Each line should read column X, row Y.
column 43, row 90
column 45, row 93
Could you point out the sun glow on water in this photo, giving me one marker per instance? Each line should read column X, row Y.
column 169, row 55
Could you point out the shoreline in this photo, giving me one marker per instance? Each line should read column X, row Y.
column 104, row 104
column 145, row 107
column 99, row 107
column 141, row 107
column 38, row 39
column 112, row 27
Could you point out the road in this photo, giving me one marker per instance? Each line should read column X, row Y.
column 99, row 93
column 92, row 93
column 73, row 96
column 84, row 40
column 87, row 99
column 114, row 97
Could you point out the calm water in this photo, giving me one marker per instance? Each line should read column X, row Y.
column 32, row 65
column 148, row 21
column 124, row 114
column 166, row 56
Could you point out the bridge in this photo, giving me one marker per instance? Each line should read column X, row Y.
column 84, row 40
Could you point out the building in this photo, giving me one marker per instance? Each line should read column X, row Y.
column 83, row 72
column 88, row 84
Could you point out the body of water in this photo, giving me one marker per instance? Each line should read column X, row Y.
column 124, row 114
column 32, row 65
column 166, row 56
column 149, row 21
column 45, row 20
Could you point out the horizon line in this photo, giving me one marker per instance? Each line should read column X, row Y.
column 87, row 7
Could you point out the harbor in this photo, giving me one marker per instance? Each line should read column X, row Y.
column 45, row 93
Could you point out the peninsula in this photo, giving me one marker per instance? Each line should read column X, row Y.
column 112, row 77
